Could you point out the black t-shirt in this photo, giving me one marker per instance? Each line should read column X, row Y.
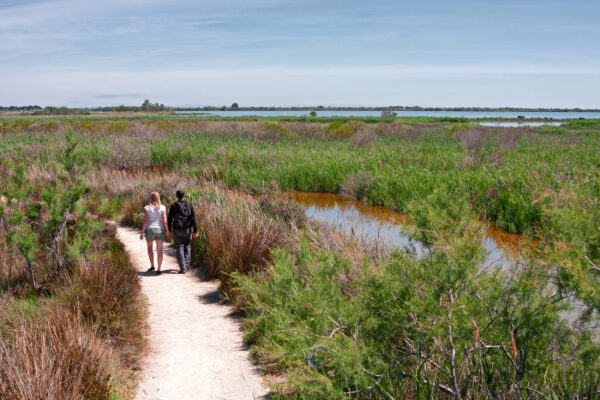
column 174, row 210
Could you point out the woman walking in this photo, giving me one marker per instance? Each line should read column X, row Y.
column 154, row 229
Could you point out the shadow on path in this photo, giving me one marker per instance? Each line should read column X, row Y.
column 212, row 297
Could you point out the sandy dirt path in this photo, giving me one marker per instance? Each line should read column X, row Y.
column 195, row 345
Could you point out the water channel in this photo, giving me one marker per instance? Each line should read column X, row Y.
column 386, row 225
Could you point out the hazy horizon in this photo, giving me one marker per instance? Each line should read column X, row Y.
column 538, row 54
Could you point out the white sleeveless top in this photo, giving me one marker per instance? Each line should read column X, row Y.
column 155, row 214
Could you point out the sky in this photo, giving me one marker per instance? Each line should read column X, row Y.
column 281, row 53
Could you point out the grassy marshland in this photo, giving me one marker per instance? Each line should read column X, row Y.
column 330, row 317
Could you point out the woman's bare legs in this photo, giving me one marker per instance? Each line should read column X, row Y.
column 159, row 253
column 151, row 254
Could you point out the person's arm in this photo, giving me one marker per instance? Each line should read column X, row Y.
column 164, row 219
column 146, row 220
column 194, row 222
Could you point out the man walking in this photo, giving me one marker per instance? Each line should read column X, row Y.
column 182, row 223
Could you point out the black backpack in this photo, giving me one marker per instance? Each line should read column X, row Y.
column 183, row 215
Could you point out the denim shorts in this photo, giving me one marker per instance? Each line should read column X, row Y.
column 154, row 234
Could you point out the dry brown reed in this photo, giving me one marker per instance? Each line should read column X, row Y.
column 107, row 294
column 364, row 137
column 406, row 131
column 56, row 358
column 237, row 236
column 288, row 211
column 312, row 130
column 504, row 140
column 77, row 343
column 232, row 128
column 114, row 182
column 268, row 133
column 127, row 153
column 356, row 185
column 13, row 271
column 475, row 140
column 158, row 130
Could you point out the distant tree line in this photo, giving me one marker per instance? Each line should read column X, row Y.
column 61, row 111
column 159, row 107
column 146, row 106
column 20, row 108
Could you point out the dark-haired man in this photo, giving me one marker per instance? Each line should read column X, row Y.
column 182, row 222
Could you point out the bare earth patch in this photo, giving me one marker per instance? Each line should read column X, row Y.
column 195, row 345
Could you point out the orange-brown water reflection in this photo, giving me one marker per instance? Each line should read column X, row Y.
column 383, row 223
column 330, row 200
column 513, row 243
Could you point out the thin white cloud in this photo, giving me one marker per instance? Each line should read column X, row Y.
column 278, row 85
column 341, row 71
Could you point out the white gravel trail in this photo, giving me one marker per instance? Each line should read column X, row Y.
column 195, row 345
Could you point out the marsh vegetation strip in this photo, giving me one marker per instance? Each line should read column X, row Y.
column 386, row 225
column 377, row 113
column 518, row 124
column 195, row 344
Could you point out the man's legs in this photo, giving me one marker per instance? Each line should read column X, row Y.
column 182, row 240
column 188, row 252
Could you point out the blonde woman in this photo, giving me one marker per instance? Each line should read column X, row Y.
column 154, row 229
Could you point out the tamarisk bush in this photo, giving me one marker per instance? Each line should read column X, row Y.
column 36, row 215
column 444, row 326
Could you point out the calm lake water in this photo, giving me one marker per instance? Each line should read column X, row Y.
column 377, row 113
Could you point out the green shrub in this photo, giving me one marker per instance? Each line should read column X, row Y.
column 343, row 129
column 379, row 335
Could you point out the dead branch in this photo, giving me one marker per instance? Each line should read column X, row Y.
column 452, row 351
column 592, row 265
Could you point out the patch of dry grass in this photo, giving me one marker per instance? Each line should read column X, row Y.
column 356, row 186
column 286, row 210
column 236, row 236
column 84, row 339
column 56, row 358
column 107, row 294
column 364, row 137
column 406, row 131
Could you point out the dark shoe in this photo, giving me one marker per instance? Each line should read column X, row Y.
column 158, row 272
column 182, row 271
column 150, row 269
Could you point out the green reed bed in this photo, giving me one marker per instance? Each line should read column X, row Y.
column 336, row 319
